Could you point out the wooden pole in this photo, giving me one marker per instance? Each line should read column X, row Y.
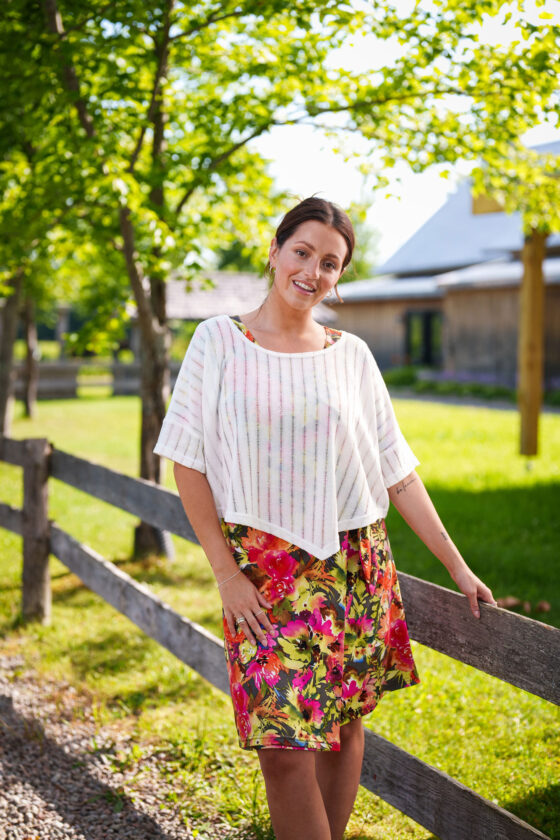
column 36, row 589
column 531, row 341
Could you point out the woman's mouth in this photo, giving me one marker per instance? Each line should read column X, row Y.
column 304, row 288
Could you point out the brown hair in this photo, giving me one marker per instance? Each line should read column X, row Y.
column 320, row 210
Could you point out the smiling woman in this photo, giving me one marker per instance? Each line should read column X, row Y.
column 287, row 455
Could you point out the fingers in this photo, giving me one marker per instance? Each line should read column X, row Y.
column 486, row 596
column 230, row 620
column 244, row 626
column 483, row 594
column 254, row 623
column 474, row 604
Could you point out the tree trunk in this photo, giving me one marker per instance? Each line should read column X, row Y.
column 154, row 383
column 153, row 327
column 31, row 370
column 531, row 341
column 8, row 332
column 154, row 389
column 154, row 354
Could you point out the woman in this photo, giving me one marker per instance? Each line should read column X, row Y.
column 287, row 454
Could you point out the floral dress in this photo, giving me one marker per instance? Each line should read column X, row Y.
column 339, row 642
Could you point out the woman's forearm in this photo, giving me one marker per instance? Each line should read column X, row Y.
column 198, row 502
column 412, row 501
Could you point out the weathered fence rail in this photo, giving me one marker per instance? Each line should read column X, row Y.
column 519, row 650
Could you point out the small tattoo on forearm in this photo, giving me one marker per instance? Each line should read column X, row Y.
column 444, row 535
column 403, row 486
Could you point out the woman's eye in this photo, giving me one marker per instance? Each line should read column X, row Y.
column 330, row 266
column 300, row 253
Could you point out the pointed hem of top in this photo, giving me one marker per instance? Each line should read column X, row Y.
column 321, row 553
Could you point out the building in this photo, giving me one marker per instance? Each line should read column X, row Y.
column 448, row 298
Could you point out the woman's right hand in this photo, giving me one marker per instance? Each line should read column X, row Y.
column 242, row 600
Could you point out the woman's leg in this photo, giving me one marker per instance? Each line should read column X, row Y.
column 338, row 774
column 294, row 798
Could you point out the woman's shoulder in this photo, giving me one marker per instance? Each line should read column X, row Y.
column 353, row 340
column 210, row 327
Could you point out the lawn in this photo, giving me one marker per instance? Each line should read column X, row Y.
column 501, row 510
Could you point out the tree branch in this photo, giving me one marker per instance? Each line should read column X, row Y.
column 161, row 67
column 55, row 25
column 78, row 26
column 54, row 22
column 208, row 22
column 220, row 159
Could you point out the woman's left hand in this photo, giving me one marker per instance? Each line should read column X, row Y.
column 473, row 588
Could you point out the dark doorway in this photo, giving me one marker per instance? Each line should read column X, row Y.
column 423, row 338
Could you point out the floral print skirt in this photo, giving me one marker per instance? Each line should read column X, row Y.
column 340, row 639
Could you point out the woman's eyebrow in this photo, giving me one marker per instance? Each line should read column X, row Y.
column 311, row 248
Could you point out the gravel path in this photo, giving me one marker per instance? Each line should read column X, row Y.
column 60, row 774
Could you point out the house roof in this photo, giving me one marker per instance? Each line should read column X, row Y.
column 489, row 274
column 233, row 294
column 453, row 237
column 495, row 274
column 383, row 288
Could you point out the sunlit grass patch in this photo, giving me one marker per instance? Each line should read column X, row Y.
column 501, row 741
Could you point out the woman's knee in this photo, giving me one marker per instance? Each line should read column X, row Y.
column 352, row 733
column 281, row 766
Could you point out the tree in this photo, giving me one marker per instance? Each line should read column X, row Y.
column 159, row 103
column 528, row 182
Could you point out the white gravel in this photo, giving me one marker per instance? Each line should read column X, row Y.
column 60, row 774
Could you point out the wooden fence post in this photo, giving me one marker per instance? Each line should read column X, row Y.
column 36, row 588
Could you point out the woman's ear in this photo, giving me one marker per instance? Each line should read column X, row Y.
column 273, row 252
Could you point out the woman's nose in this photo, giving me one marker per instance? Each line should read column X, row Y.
column 312, row 269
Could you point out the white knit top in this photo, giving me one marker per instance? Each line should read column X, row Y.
column 300, row 445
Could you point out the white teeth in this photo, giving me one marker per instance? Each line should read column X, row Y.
column 303, row 286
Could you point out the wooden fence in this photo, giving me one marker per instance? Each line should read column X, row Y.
column 519, row 650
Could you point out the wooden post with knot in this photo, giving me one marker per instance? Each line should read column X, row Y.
column 36, row 589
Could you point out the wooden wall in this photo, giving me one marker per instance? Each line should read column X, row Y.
column 479, row 330
column 381, row 323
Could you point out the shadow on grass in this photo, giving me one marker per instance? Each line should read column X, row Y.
column 79, row 799
column 115, row 654
column 541, row 809
column 111, row 653
column 510, row 538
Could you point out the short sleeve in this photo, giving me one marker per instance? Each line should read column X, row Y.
column 396, row 457
column 182, row 434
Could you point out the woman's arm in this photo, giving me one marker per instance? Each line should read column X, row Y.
column 412, row 501
column 239, row 596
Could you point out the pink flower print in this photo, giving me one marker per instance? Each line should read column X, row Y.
column 301, row 681
column 399, row 640
column 265, row 666
column 295, row 628
column 244, row 725
column 256, row 542
column 277, row 564
column 361, row 626
column 350, row 689
column 334, row 670
column 310, row 709
column 240, row 698
column 321, row 625
column 276, row 589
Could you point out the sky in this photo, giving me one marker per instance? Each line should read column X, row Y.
column 303, row 164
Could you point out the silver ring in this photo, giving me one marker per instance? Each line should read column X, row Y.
column 240, row 620
column 259, row 612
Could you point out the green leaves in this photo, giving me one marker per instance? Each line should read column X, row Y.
column 176, row 93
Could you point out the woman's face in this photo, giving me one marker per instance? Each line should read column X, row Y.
column 308, row 264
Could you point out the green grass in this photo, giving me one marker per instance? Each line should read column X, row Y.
column 500, row 508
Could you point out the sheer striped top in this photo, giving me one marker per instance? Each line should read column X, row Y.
column 300, row 445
